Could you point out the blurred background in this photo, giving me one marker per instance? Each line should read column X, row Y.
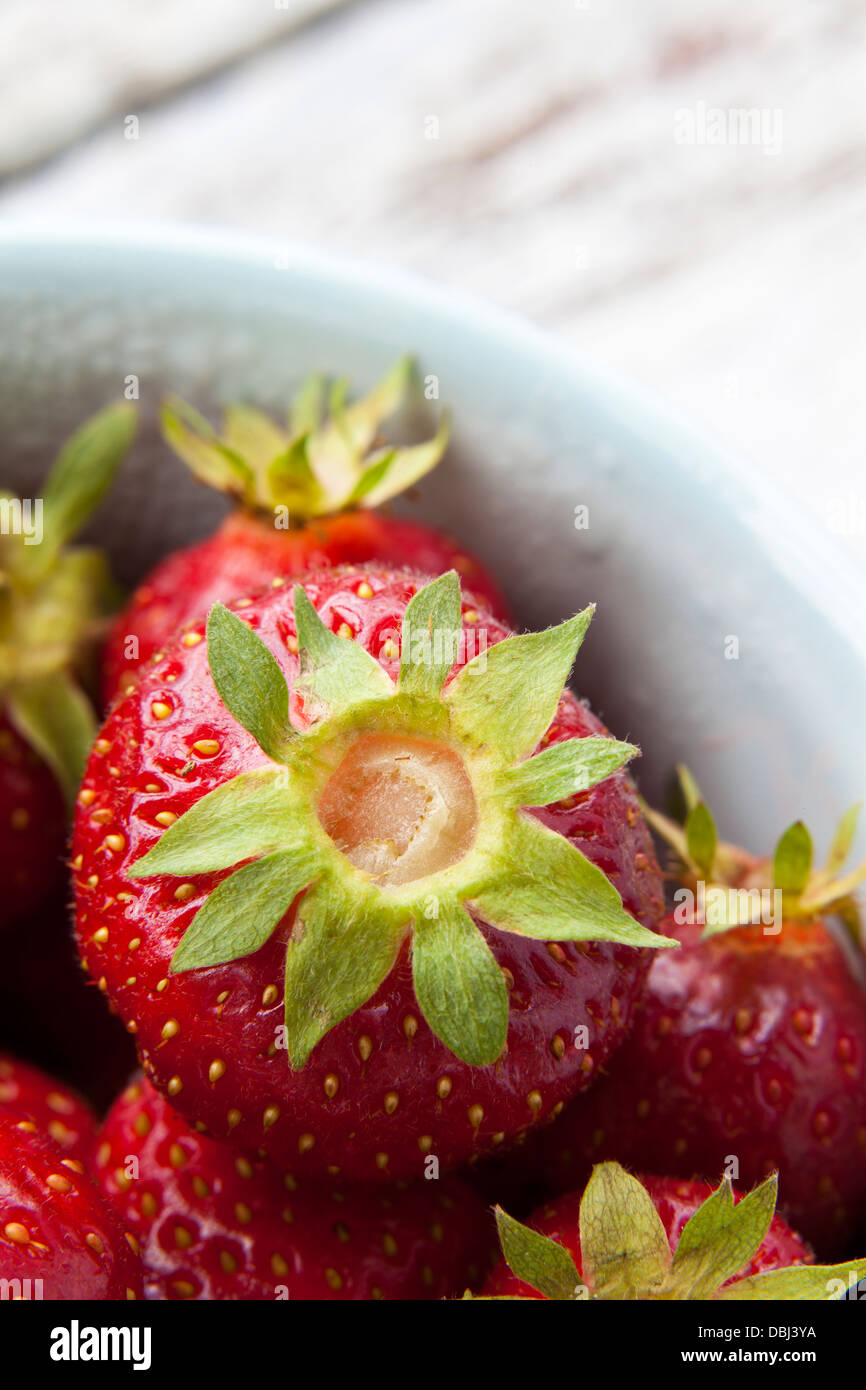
column 676, row 189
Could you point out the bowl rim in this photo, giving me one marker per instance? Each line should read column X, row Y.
column 827, row 575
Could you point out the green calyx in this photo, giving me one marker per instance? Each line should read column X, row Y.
column 626, row 1254
column 397, row 813
column 737, row 886
column 54, row 600
column 329, row 455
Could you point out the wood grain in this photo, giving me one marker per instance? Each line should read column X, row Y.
column 65, row 68
column 528, row 152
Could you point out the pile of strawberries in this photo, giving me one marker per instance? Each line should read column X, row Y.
column 373, row 933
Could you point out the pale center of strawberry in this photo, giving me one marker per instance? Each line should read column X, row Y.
column 400, row 808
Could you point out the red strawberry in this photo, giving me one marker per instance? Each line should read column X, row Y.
column 52, row 603
column 749, row 1052
column 58, row 1235
column 292, row 486
column 661, row 1238
column 214, row 1225
column 55, row 1109
column 369, row 822
column 32, row 828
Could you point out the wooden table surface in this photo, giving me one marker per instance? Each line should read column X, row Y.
column 677, row 188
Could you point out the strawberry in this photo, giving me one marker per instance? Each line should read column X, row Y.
column 215, row 1225
column 55, row 1109
column 52, row 603
column 292, row 486
column 749, row 1052
column 59, row 1237
column 33, row 824
column 332, row 1002
column 653, row 1238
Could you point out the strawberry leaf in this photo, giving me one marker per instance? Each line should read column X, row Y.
column 253, row 435
column 194, row 439
column 843, row 839
column 625, row 1250
column 432, row 625
column 720, row 1238
column 53, row 715
column 307, row 409
column 244, row 910
column 701, row 838
column 251, row 815
column 375, row 471
column 539, row 885
column 837, row 895
column 360, row 422
column 507, row 696
column 537, row 1260
column 673, row 835
column 565, row 769
column 292, row 482
column 344, row 943
column 689, row 787
column 83, row 473
column 800, row 1283
column 793, row 859
column 336, row 671
column 249, row 681
column 400, row 469
column 459, row 986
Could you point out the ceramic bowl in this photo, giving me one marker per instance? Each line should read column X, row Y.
column 729, row 633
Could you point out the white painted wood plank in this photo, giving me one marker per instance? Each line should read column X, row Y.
column 65, row 67
column 729, row 277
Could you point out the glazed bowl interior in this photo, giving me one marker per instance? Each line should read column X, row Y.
column 728, row 634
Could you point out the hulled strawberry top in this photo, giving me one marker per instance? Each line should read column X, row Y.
column 750, row 1045
column 724, row 886
column 308, row 495
column 310, row 874
column 328, row 456
column 661, row 1239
